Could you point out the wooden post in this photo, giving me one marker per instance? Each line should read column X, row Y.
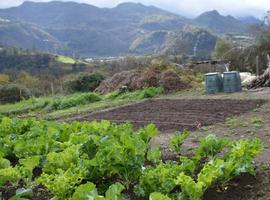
column 52, row 88
column 257, row 66
column 61, row 86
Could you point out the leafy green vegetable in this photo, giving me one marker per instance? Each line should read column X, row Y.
column 208, row 175
column 117, row 151
column 4, row 163
column 240, row 158
column 216, row 169
column 158, row 196
column 9, row 174
column 159, row 179
column 85, row 192
column 27, row 167
column 210, row 146
column 22, row 193
column 88, row 191
column 72, row 156
column 114, row 192
column 63, row 160
column 62, row 184
column 190, row 187
column 177, row 140
column 154, row 154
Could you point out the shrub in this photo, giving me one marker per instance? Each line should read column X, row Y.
column 83, row 83
column 73, row 100
column 146, row 93
column 150, row 92
column 79, row 99
column 11, row 93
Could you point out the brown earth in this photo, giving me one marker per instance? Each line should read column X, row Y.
column 176, row 115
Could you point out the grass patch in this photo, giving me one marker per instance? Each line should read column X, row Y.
column 48, row 104
column 136, row 95
column 59, row 106
column 65, row 59
column 73, row 100
column 110, row 100
column 25, row 106
column 80, row 110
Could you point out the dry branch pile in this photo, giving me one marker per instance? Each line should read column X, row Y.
column 262, row 81
column 136, row 80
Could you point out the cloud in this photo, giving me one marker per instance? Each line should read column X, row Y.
column 183, row 7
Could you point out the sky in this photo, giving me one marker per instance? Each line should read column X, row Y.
column 189, row 8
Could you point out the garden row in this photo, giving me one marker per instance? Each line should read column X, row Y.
column 83, row 160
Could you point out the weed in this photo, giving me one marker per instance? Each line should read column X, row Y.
column 257, row 122
column 205, row 128
column 235, row 122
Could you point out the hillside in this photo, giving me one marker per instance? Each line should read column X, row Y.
column 23, row 35
column 88, row 31
column 14, row 60
column 178, row 42
column 250, row 20
column 217, row 23
column 91, row 31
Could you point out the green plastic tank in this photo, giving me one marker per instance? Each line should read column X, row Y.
column 231, row 82
column 213, row 83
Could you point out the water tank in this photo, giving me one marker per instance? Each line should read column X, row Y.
column 231, row 82
column 213, row 83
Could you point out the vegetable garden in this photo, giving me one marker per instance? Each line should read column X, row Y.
column 102, row 160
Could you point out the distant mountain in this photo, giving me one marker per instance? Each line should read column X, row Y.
column 218, row 23
column 250, row 20
column 91, row 31
column 179, row 42
column 86, row 30
column 23, row 35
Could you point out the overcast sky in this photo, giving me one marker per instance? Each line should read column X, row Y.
column 189, row 8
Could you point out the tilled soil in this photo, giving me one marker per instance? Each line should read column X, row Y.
column 176, row 115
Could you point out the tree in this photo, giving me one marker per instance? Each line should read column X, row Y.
column 4, row 79
column 11, row 93
column 27, row 80
column 263, row 42
column 221, row 48
column 83, row 82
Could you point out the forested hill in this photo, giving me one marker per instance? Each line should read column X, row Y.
column 14, row 60
column 86, row 30
column 212, row 20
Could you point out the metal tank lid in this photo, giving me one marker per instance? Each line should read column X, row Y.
column 231, row 72
column 212, row 73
